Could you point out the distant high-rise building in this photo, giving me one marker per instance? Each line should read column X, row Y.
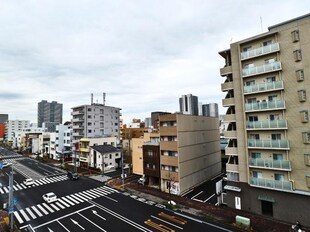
column 148, row 122
column 50, row 114
column 267, row 85
column 155, row 118
column 3, row 119
column 14, row 126
column 189, row 104
column 210, row 110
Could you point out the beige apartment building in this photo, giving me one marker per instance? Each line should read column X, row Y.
column 189, row 151
column 267, row 80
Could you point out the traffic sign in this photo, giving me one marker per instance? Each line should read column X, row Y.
column 1, row 165
column 11, row 209
column 14, row 200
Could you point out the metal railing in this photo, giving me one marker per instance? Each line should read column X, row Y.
column 273, row 184
column 269, row 163
column 279, row 143
column 265, row 105
column 261, row 69
column 260, row 51
column 263, row 87
column 269, row 124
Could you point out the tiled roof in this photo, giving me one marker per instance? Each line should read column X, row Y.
column 105, row 148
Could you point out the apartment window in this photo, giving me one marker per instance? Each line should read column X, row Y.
column 304, row 116
column 101, row 111
column 256, row 155
column 88, row 116
column 89, row 131
column 307, row 159
column 267, row 42
column 89, row 109
column 300, row 75
column 249, row 83
column 297, row 55
column 295, row 36
column 279, row 177
column 248, row 66
column 272, row 97
column 257, row 174
column 269, row 61
column 306, row 137
column 308, row 180
column 277, row 156
column 251, row 100
column 274, row 117
column 254, row 136
column 245, row 49
column 276, row 136
column 101, row 118
column 89, row 124
column 302, row 95
column 271, row 79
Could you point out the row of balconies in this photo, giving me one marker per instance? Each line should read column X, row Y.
column 260, row 51
column 272, row 184
column 263, row 87
column 271, row 164
column 265, row 68
column 257, row 106
column 78, row 119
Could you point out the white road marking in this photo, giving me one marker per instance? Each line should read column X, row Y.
column 20, row 220
column 55, row 207
column 76, row 223
column 48, row 208
column 197, row 195
column 63, row 203
column 60, row 205
column 92, row 222
column 76, row 198
column 24, row 215
column 80, row 196
column 96, row 213
column 67, row 200
column 72, row 199
column 37, row 211
column 42, row 209
column 209, row 198
column 31, row 213
column 159, row 219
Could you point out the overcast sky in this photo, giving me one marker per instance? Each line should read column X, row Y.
column 143, row 54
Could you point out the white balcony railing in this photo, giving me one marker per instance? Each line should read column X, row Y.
column 260, row 51
column 275, row 66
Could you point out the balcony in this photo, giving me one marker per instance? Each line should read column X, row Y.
column 227, row 86
column 168, row 131
column 265, row 105
column 232, row 168
column 84, row 149
column 231, row 151
column 274, row 124
column 260, row 51
column 78, row 126
column 230, row 134
column 271, row 164
column 226, row 70
column 169, row 160
column 263, row 87
column 269, row 144
column 271, row 184
column 77, row 112
column 77, row 134
column 78, row 119
column 229, row 117
column 266, row 68
column 228, row 101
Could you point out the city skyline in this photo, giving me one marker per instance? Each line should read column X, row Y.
column 140, row 55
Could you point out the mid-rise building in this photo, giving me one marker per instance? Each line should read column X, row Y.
column 189, row 151
column 50, row 114
column 267, row 80
column 3, row 119
column 210, row 110
column 189, row 104
column 14, row 126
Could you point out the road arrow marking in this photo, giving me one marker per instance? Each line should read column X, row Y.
column 76, row 223
column 95, row 212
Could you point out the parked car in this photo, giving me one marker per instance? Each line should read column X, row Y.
column 28, row 182
column 6, row 164
column 50, row 197
column 72, row 175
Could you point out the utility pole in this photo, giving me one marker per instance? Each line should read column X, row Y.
column 77, row 147
column 11, row 201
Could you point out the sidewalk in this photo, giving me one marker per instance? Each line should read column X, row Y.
column 218, row 214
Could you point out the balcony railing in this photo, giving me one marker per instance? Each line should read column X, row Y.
column 226, row 70
column 265, row 105
column 228, row 101
column 260, row 51
column 269, row 163
column 273, row 184
column 227, row 86
column 275, row 66
column 274, row 124
column 262, row 87
column 268, row 144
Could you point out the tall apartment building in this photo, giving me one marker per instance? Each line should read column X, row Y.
column 189, row 104
column 95, row 120
column 50, row 114
column 189, row 151
column 267, row 80
column 14, row 126
column 210, row 110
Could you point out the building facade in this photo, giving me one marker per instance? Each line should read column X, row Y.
column 189, row 151
column 267, row 82
column 189, row 104
column 50, row 114
column 95, row 120
column 14, row 126
column 210, row 110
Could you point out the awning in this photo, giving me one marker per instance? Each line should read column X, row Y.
column 265, row 198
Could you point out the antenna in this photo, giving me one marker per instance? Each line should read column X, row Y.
column 91, row 98
column 261, row 23
column 103, row 95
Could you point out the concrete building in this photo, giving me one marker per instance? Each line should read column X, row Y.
column 189, row 151
column 104, row 157
column 189, row 104
column 95, row 120
column 155, row 118
column 12, row 127
column 50, row 114
column 210, row 110
column 63, row 142
column 267, row 82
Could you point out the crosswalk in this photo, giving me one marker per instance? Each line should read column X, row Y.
column 40, row 210
column 46, row 180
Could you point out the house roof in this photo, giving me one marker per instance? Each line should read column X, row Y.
column 105, row 148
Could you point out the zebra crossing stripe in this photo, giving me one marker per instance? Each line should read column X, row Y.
column 20, row 187
column 80, row 196
column 85, row 195
column 6, row 189
column 64, row 203
column 15, row 188
column 94, row 193
column 31, row 213
column 43, row 181
column 37, row 211
column 19, row 219
column 103, row 190
column 60, row 205
column 55, row 207
column 48, row 208
column 24, row 215
column 88, row 194
column 42, row 209
column 36, row 183
column 111, row 189
column 76, row 198
column 67, row 200
column 1, row 191
column 72, row 199
column 24, row 186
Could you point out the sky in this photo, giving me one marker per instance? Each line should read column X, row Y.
column 144, row 54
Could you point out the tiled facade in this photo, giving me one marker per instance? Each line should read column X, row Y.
column 267, row 78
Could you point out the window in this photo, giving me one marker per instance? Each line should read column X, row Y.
column 253, row 118
column 306, row 137
column 271, row 79
column 245, row 49
column 89, row 109
column 89, row 124
column 277, row 156
column 304, row 116
column 248, row 66
column 89, row 131
column 269, row 61
column 272, row 98
column 307, row 159
column 300, row 75
column 276, row 136
column 254, row 136
column 297, row 55
column 256, row 155
column 101, row 111
column 88, row 116
column 302, row 95
column 257, row 174
column 295, row 36
column 279, row 177
column 251, row 100
column 249, row 83
column 274, row 117
column 267, row 42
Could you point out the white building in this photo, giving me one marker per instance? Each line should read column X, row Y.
column 104, row 157
column 63, row 142
column 14, row 126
